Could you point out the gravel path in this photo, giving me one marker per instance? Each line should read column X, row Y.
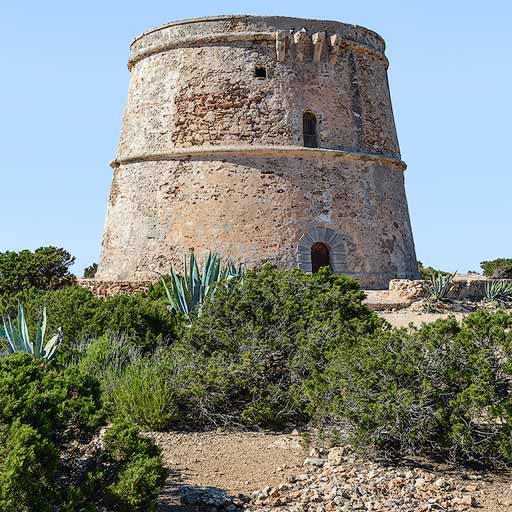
column 264, row 472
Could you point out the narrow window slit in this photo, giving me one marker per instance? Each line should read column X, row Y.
column 260, row 72
column 310, row 133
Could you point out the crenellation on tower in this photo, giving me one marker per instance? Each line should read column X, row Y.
column 255, row 136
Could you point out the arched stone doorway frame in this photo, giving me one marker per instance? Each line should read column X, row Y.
column 334, row 241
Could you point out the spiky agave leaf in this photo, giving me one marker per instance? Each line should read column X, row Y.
column 41, row 330
column 439, row 285
column 18, row 339
column 495, row 290
column 189, row 291
column 4, row 334
column 52, row 345
column 23, row 330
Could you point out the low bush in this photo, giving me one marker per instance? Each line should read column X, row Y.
column 442, row 389
column 500, row 268
column 46, row 268
column 145, row 392
column 152, row 391
column 142, row 321
column 50, row 458
column 427, row 273
column 257, row 345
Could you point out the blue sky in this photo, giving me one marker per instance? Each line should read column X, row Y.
column 64, row 83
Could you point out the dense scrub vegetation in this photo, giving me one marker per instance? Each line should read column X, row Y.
column 274, row 349
column 285, row 348
column 442, row 389
column 46, row 268
column 142, row 321
column 500, row 268
column 246, row 360
column 48, row 458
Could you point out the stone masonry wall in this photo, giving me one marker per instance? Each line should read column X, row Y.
column 461, row 288
column 108, row 288
column 211, row 157
column 256, row 210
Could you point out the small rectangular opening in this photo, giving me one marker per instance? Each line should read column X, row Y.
column 260, row 72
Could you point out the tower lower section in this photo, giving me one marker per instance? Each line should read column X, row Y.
column 259, row 205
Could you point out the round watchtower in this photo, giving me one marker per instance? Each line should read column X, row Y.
column 266, row 139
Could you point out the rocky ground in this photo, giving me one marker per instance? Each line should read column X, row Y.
column 261, row 472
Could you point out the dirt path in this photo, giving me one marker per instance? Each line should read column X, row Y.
column 233, row 462
column 241, row 463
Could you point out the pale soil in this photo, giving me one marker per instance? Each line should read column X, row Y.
column 244, row 462
column 403, row 318
column 239, row 462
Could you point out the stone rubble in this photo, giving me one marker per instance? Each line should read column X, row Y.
column 340, row 481
column 337, row 480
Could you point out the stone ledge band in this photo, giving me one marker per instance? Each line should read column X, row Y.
column 282, row 151
column 224, row 17
column 238, row 37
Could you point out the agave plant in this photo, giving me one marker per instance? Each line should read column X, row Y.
column 439, row 285
column 18, row 338
column 189, row 291
column 498, row 290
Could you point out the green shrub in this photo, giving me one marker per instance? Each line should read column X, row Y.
column 46, row 268
column 27, row 468
column 106, row 359
column 258, row 344
column 500, row 268
column 46, row 399
column 145, row 393
column 123, row 442
column 90, row 271
column 50, row 458
column 427, row 272
column 138, row 485
column 439, row 390
column 150, row 391
column 142, row 321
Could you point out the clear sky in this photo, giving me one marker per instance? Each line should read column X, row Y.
column 63, row 85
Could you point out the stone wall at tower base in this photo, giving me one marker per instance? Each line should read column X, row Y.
column 101, row 288
column 404, row 291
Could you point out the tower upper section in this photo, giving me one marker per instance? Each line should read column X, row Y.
column 255, row 81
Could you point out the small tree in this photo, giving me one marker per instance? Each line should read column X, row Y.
column 46, row 268
column 90, row 271
column 500, row 268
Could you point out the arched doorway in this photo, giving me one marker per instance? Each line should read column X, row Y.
column 320, row 256
column 334, row 243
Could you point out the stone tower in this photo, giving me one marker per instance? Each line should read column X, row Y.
column 266, row 139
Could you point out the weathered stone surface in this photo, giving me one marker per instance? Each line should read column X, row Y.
column 462, row 287
column 108, row 288
column 212, row 157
